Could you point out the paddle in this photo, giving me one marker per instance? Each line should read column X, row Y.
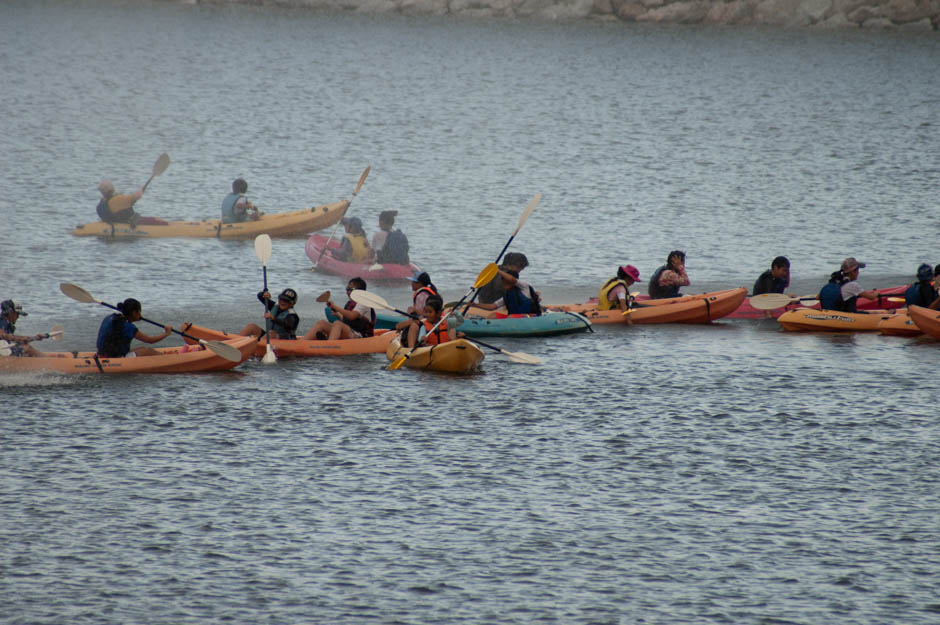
column 323, row 297
column 326, row 245
column 530, row 207
column 771, row 301
column 222, row 349
column 158, row 168
column 263, row 251
column 488, row 273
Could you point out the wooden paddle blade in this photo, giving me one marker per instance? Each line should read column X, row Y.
column 362, row 179
column 323, row 297
column 263, row 248
column 528, row 211
column 224, row 350
column 77, row 293
column 162, row 163
column 57, row 333
column 486, row 276
column 397, row 363
column 770, row 301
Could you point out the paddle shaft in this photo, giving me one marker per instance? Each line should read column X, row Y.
column 326, row 245
column 156, row 323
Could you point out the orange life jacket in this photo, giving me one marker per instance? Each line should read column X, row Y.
column 438, row 336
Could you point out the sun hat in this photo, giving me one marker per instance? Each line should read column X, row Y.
column 631, row 271
column 850, row 263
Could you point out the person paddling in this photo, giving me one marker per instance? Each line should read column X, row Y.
column 354, row 321
column 117, row 330
column 518, row 297
column 283, row 320
column 924, row 291
column 10, row 311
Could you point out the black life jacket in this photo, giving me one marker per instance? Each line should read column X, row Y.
column 104, row 213
column 662, row 292
column 395, row 249
column 365, row 327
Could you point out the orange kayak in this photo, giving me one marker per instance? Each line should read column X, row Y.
column 702, row 308
column 286, row 348
column 900, row 324
column 185, row 359
column 926, row 319
column 812, row 320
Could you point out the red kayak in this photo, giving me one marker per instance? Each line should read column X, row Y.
column 370, row 272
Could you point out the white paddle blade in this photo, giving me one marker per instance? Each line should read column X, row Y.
column 528, row 211
column 77, row 293
column 224, row 350
column 770, row 301
column 57, row 333
column 269, row 357
column 369, row 299
column 522, row 357
column 263, row 248
column 5, row 348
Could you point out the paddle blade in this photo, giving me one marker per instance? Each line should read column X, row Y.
column 769, row 301
column 522, row 357
column 162, row 163
column 528, row 211
column 323, row 297
column 57, row 333
column 224, row 350
column 486, row 276
column 269, row 356
column 397, row 363
column 263, row 248
column 369, row 299
column 5, row 348
column 362, row 179
column 77, row 293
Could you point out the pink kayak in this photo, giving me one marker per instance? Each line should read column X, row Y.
column 370, row 272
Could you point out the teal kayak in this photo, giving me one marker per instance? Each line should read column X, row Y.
column 546, row 324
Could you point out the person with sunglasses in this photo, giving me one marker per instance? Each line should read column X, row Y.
column 354, row 321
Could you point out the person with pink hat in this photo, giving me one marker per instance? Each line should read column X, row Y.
column 616, row 291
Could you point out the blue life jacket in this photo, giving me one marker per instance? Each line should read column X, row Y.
column 395, row 249
column 113, row 339
column 830, row 297
column 662, row 292
column 920, row 294
column 518, row 303
column 228, row 209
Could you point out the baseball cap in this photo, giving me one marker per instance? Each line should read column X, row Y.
column 850, row 263
column 9, row 306
column 289, row 295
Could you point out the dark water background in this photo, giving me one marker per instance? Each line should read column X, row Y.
column 730, row 473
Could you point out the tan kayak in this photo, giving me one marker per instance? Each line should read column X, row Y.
column 293, row 223
column 286, row 348
column 460, row 356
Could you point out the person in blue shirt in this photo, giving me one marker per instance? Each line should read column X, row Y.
column 118, row 330
column 923, row 292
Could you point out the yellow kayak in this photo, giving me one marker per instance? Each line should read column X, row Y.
column 293, row 223
column 460, row 356
column 812, row 320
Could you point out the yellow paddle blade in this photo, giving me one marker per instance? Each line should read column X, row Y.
column 397, row 363
column 486, row 276
column 627, row 312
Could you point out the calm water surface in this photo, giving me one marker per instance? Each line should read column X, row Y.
column 730, row 473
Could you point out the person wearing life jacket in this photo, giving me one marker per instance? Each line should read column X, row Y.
column 117, row 208
column 390, row 246
column 830, row 296
column 774, row 280
column 354, row 247
column 518, row 297
column 118, row 330
column 851, row 289
column 279, row 317
column 9, row 313
column 668, row 279
column 421, row 289
column 615, row 293
column 354, row 320
column 493, row 290
column 430, row 329
column 923, row 292
column 236, row 207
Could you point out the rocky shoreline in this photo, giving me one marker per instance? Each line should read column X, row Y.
column 907, row 15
